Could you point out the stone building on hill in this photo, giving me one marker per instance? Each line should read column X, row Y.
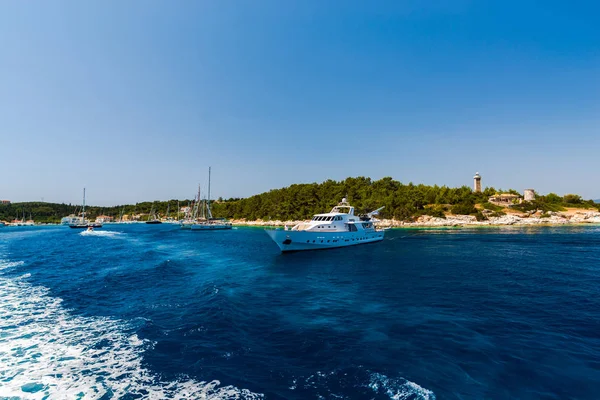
column 529, row 194
column 505, row 199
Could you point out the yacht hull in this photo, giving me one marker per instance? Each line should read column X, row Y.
column 305, row 240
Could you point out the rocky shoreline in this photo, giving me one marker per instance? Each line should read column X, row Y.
column 580, row 217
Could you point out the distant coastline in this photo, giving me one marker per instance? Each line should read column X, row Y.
column 569, row 217
column 401, row 205
column 576, row 217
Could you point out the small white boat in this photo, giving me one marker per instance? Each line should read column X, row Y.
column 338, row 228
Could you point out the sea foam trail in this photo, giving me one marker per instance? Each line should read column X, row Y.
column 399, row 389
column 100, row 233
column 46, row 352
column 328, row 385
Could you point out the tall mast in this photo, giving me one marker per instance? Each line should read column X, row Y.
column 83, row 211
column 197, row 204
column 208, row 203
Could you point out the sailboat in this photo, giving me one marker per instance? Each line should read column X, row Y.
column 30, row 221
column 169, row 219
column 210, row 223
column 83, row 223
column 152, row 218
column 191, row 213
column 22, row 222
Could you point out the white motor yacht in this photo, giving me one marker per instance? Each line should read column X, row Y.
column 338, row 228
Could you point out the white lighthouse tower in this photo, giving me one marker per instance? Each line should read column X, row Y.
column 477, row 183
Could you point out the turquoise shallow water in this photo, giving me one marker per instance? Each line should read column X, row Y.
column 138, row 311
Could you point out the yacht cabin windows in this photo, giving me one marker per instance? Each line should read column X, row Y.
column 325, row 218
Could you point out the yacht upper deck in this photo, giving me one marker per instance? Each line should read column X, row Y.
column 340, row 219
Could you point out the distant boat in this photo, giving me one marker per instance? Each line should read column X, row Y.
column 152, row 218
column 209, row 223
column 338, row 228
column 191, row 213
column 169, row 219
column 22, row 221
column 83, row 223
column 71, row 220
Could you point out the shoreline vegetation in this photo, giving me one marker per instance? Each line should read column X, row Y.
column 406, row 205
column 579, row 217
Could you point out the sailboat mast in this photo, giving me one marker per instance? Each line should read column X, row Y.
column 197, row 204
column 208, row 201
column 83, row 210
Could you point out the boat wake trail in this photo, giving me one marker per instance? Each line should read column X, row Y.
column 361, row 382
column 46, row 352
column 101, row 233
column 399, row 389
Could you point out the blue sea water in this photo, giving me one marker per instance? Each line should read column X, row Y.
column 139, row 311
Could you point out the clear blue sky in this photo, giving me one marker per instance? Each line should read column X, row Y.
column 135, row 99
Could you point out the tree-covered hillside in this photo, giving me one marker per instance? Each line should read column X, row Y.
column 53, row 212
column 301, row 201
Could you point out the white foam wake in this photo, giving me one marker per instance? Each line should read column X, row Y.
column 7, row 264
column 100, row 233
column 399, row 389
column 46, row 352
column 379, row 384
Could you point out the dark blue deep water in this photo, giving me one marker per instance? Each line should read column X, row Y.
column 138, row 311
